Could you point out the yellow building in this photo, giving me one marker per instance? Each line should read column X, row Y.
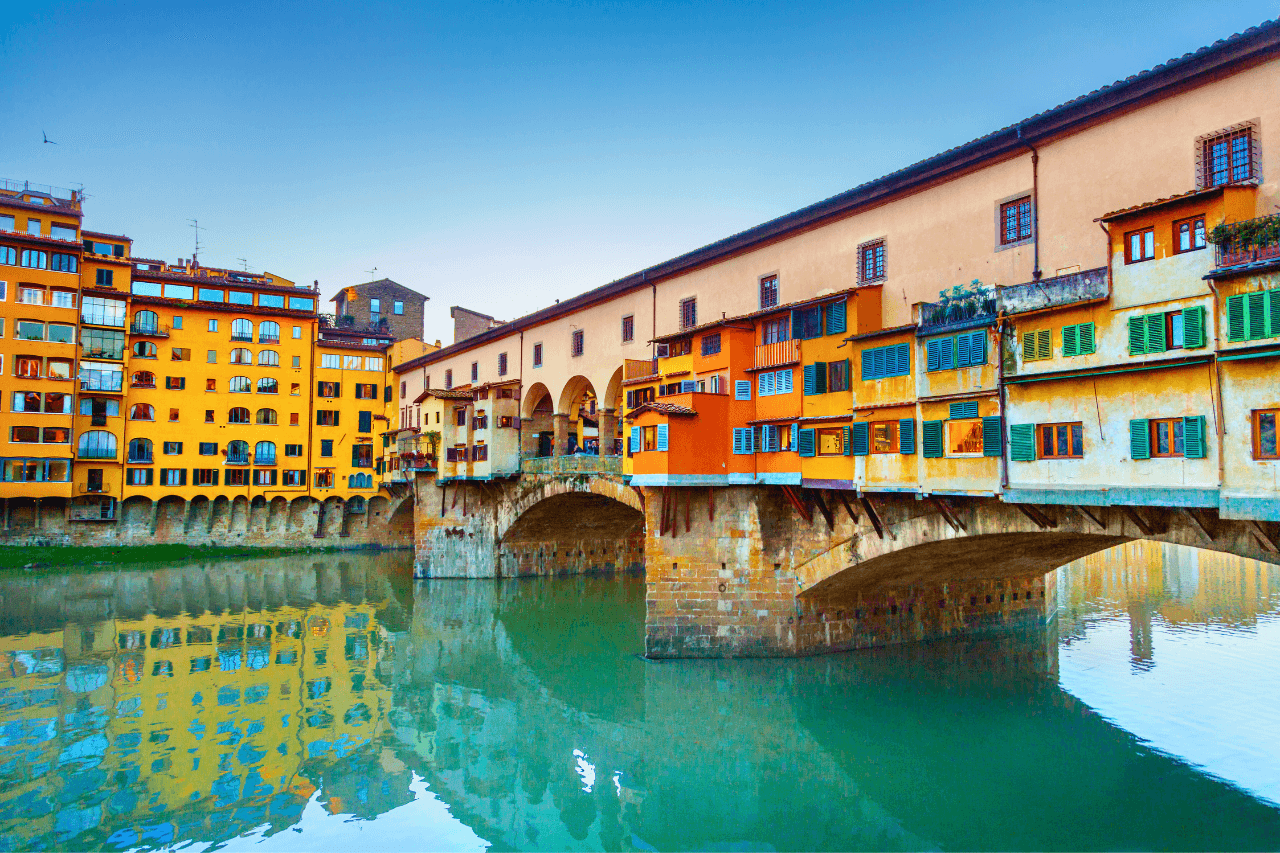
column 40, row 258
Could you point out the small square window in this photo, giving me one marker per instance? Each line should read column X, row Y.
column 871, row 266
column 173, row 415
column 208, row 416
column 213, row 325
column 211, row 385
column 769, row 291
column 1015, row 221
column 1226, row 158
column 688, row 313
column 177, row 321
column 1140, row 246
column 297, row 361
column 212, row 357
column 297, row 332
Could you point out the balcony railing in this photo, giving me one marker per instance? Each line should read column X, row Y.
column 93, row 381
column 955, row 312
column 1053, row 292
column 96, row 453
column 149, row 330
column 102, row 318
column 781, row 352
column 1248, row 242
column 237, row 459
column 640, row 368
column 147, row 458
column 242, row 339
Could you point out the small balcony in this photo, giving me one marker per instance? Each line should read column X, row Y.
column 143, row 459
column 242, row 339
column 639, row 369
column 237, row 459
column 1248, row 242
column 96, row 453
column 1083, row 286
column 148, row 330
column 778, row 354
column 112, row 383
column 960, row 311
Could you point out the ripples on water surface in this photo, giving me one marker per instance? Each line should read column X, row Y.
column 299, row 704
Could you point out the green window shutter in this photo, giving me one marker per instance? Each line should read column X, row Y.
column 967, row 409
column 992, row 434
column 858, row 439
column 1044, row 343
column 1193, row 446
column 1070, row 341
column 1140, row 439
column 1273, row 313
column 1155, row 333
column 907, row 436
column 806, row 442
column 1087, row 343
column 662, row 437
column 366, row 422
column 1235, row 318
column 1193, row 336
column 932, row 439
column 810, row 380
column 1257, row 315
column 1022, row 442
column 1138, row 335
column 1028, row 346
column 820, row 377
column 836, row 322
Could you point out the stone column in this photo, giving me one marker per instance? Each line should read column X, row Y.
column 608, row 431
column 560, row 442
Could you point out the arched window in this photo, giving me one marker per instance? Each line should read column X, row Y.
column 238, row 453
column 146, row 321
column 268, row 332
column 267, row 385
column 97, row 444
column 144, row 349
column 240, row 355
column 268, row 358
column 264, row 453
column 140, row 450
column 144, row 379
column 241, row 330
column 266, row 416
column 239, row 385
column 142, row 412
column 356, row 504
column 238, row 415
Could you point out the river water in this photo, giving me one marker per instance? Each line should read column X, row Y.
column 331, row 703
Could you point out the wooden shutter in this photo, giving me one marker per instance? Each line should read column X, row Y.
column 631, row 399
column 688, row 386
column 1140, row 439
column 742, row 389
column 1193, row 333
column 768, row 438
column 1022, row 442
column 933, row 354
column 858, row 439
column 1138, row 335
column 907, row 436
column 1273, row 312
column 1155, row 334
column 820, row 377
column 964, row 357
column 1044, row 343
column 1088, row 344
column 806, row 442
column 738, row 441
column 764, row 381
column 782, row 382
column 366, row 422
column 836, row 318
column 810, row 384
column 1028, row 346
column 1193, row 443
column 902, row 361
column 636, row 439
column 662, row 437
column 868, row 365
column 1235, row 318
column 1256, row 316
column 845, row 441
column 795, row 436
column 1070, row 341
column 967, row 409
column 992, row 435
column 932, row 439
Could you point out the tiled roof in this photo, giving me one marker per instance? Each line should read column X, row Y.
column 442, row 394
column 1147, row 205
column 786, row 306
column 662, row 409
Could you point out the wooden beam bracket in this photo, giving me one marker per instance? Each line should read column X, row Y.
column 1132, row 515
column 1199, row 524
column 1267, row 541
column 1096, row 519
column 874, row 517
column 823, row 508
column 1031, row 511
column 949, row 516
column 799, row 505
column 848, row 507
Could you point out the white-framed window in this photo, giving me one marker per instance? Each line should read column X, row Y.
column 351, row 362
column 331, row 360
column 297, row 332
column 399, row 307
column 373, row 364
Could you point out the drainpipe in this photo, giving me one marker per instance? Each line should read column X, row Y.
column 653, row 329
column 1004, row 407
column 1217, row 369
column 1035, row 204
column 520, row 408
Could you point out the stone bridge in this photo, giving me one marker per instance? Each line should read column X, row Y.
column 776, row 570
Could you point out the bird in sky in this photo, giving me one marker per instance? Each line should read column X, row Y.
column 47, row 140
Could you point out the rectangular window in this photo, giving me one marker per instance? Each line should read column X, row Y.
column 1264, row 434
column 964, row 437
column 351, row 362
column 1037, row 345
column 1139, row 246
column 448, row 379
column 1061, row 441
column 173, row 476
column 236, row 477
column 1227, row 158
column 264, row 476
column 1015, row 221
column 806, row 323
column 768, row 291
column 884, row 437
column 883, row 362
column 375, row 306
column 211, row 357
column 365, row 391
column 1188, row 234
column 326, row 447
column 295, row 478
column 208, row 448
column 537, row 355
column 628, row 328
column 364, row 422
column 1166, row 437
column 1174, row 329
column 326, row 417
column 688, row 313
column 331, row 360
column 372, row 364
column 204, row 477
column 172, row 448
column 175, row 383
column 775, row 331
column 577, row 342
column 871, row 261
column 293, row 450
column 1078, row 339
column 398, row 307
column 139, row 476
column 838, row 376
column 104, row 278
column 502, row 364
column 940, row 354
column 831, row 442
column 711, row 344
column 475, row 371
column 328, row 390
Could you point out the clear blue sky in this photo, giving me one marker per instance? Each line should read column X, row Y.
column 503, row 155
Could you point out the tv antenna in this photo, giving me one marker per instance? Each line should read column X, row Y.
column 243, row 264
column 195, row 223
column 371, row 272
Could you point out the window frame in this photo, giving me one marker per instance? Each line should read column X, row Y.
column 879, row 263
column 1148, row 232
column 1204, row 156
column 769, row 287
column 829, row 432
column 1176, row 427
column 1014, row 204
column 688, row 312
column 1256, row 436
column 894, row 438
column 1074, row 426
column 628, row 328
column 1202, row 232
column 948, row 443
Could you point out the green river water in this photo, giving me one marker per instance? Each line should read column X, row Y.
column 330, row 702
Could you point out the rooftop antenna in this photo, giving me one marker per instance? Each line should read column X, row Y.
column 243, row 264
column 196, row 254
column 371, row 272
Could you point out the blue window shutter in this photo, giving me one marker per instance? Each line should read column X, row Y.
column 637, row 441
column 992, row 435
column 1022, row 442
column 932, row 439
column 737, row 442
column 764, row 386
column 806, row 442
column 810, row 383
column 782, row 382
column 933, row 355
column 662, row 437
column 748, row 440
column 820, row 377
column 795, row 437
column 688, row 386
column 766, row 438
column 742, row 389
column 907, row 436
column 868, row 372
column 836, row 323
column 858, row 438
column 967, row 409
column 963, row 356
column 1193, row 444
column 1140, row 438
column 947, row 351
column 902, row 364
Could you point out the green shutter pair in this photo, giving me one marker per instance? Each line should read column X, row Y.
column 1193, row 438
column 1078, row 339
column 992, row 437
column 815, row 378
column 1147, row 337
column 1253, row 316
